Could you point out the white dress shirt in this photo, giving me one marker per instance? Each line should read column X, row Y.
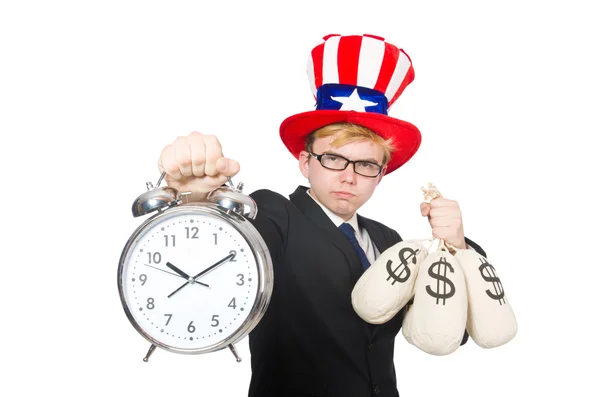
column 361, row 234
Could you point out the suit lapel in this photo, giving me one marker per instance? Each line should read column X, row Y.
column 315, row 213
column 375, row 233
column 330, row 232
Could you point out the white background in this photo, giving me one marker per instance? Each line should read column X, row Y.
column 505, row 96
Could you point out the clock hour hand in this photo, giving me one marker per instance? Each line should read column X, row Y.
column 203, row 272
column 162, row 270
column 182, row 273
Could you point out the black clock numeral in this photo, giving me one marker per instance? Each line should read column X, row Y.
column 234, row 252
column 143, row 278
column 215, row 234
column 241, row 280
column 154, row 257
column 169, row 319
column 232, row 304
column 150, row 304
column 191, row 328
column 190, row 230
column 215, row 321
column 167, row 240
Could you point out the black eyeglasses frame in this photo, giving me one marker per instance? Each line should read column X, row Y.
column 348, row 161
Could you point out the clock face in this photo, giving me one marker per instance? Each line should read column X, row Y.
column 189, row 280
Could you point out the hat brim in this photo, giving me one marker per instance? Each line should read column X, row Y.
column 406, row 138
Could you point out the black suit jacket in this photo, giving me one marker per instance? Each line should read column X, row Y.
column 310, row 341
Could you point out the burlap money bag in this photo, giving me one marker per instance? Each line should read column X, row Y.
column 436, row 320
column 386, row 286
column 490, row 318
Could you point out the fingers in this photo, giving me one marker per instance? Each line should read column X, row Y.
column 443, row 232
column 443, row 221
column 425, row 209
column 441, row 214
column 445, row 218
column 197, row 146
column 183, row 156
column 213, row 152
column 168, row 164
column 197, row 156
column 441, row 207
column 175, row 159
column 445, row 212
column 227, row 166
column 441, row 202
column 216, row 164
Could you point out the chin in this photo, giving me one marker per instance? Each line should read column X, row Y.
column 344, row 210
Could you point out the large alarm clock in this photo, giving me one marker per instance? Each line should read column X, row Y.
column 197, row 277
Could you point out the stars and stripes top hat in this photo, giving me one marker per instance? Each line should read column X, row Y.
column 356, row 79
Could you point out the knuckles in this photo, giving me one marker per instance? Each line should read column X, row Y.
column 443, row 202
column 184, row 162
column 210, row 138
column 171, row 168
column 191, row 151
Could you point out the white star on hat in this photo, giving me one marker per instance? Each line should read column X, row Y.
column 353, row 102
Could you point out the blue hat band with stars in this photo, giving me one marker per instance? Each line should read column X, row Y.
column 351, row 97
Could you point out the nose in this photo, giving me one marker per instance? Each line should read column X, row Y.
column 348, row 175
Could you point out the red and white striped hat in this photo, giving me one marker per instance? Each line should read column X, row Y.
column 356, row 79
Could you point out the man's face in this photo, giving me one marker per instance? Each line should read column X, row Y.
column 342, row 192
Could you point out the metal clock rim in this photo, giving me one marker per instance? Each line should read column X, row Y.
column 261, row 255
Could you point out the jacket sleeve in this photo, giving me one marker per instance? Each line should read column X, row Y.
column 476, row 247
column 272, row 220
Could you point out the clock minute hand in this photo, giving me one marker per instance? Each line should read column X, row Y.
column 203, row 272
column 182, row 273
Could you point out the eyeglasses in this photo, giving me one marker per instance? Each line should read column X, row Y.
column 339, row 163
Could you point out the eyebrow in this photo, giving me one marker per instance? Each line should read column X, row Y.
column 369, row 160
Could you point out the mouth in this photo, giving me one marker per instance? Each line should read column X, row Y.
column 343, row 194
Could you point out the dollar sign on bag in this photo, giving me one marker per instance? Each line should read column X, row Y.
column 492, row 277
column 442, row 266
column 405, row 255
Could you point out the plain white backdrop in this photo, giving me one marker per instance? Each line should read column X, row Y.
column 506, row 98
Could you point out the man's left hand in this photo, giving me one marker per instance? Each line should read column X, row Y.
column 445, row 219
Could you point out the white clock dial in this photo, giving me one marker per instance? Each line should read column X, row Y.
column 190, row 280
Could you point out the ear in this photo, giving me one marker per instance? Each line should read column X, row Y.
column 303, row 163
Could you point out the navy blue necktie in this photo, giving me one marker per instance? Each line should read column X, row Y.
column 348, row 231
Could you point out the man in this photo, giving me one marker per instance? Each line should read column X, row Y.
column 310, row 341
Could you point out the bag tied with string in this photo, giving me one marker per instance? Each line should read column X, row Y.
column 388, row 284
column 436, row 320
column 491, row 321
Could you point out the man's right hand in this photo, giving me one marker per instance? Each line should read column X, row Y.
column 195, row 163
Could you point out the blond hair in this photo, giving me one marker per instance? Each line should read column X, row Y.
column 350, row 133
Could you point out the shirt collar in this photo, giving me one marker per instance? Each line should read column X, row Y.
column 337, row 221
